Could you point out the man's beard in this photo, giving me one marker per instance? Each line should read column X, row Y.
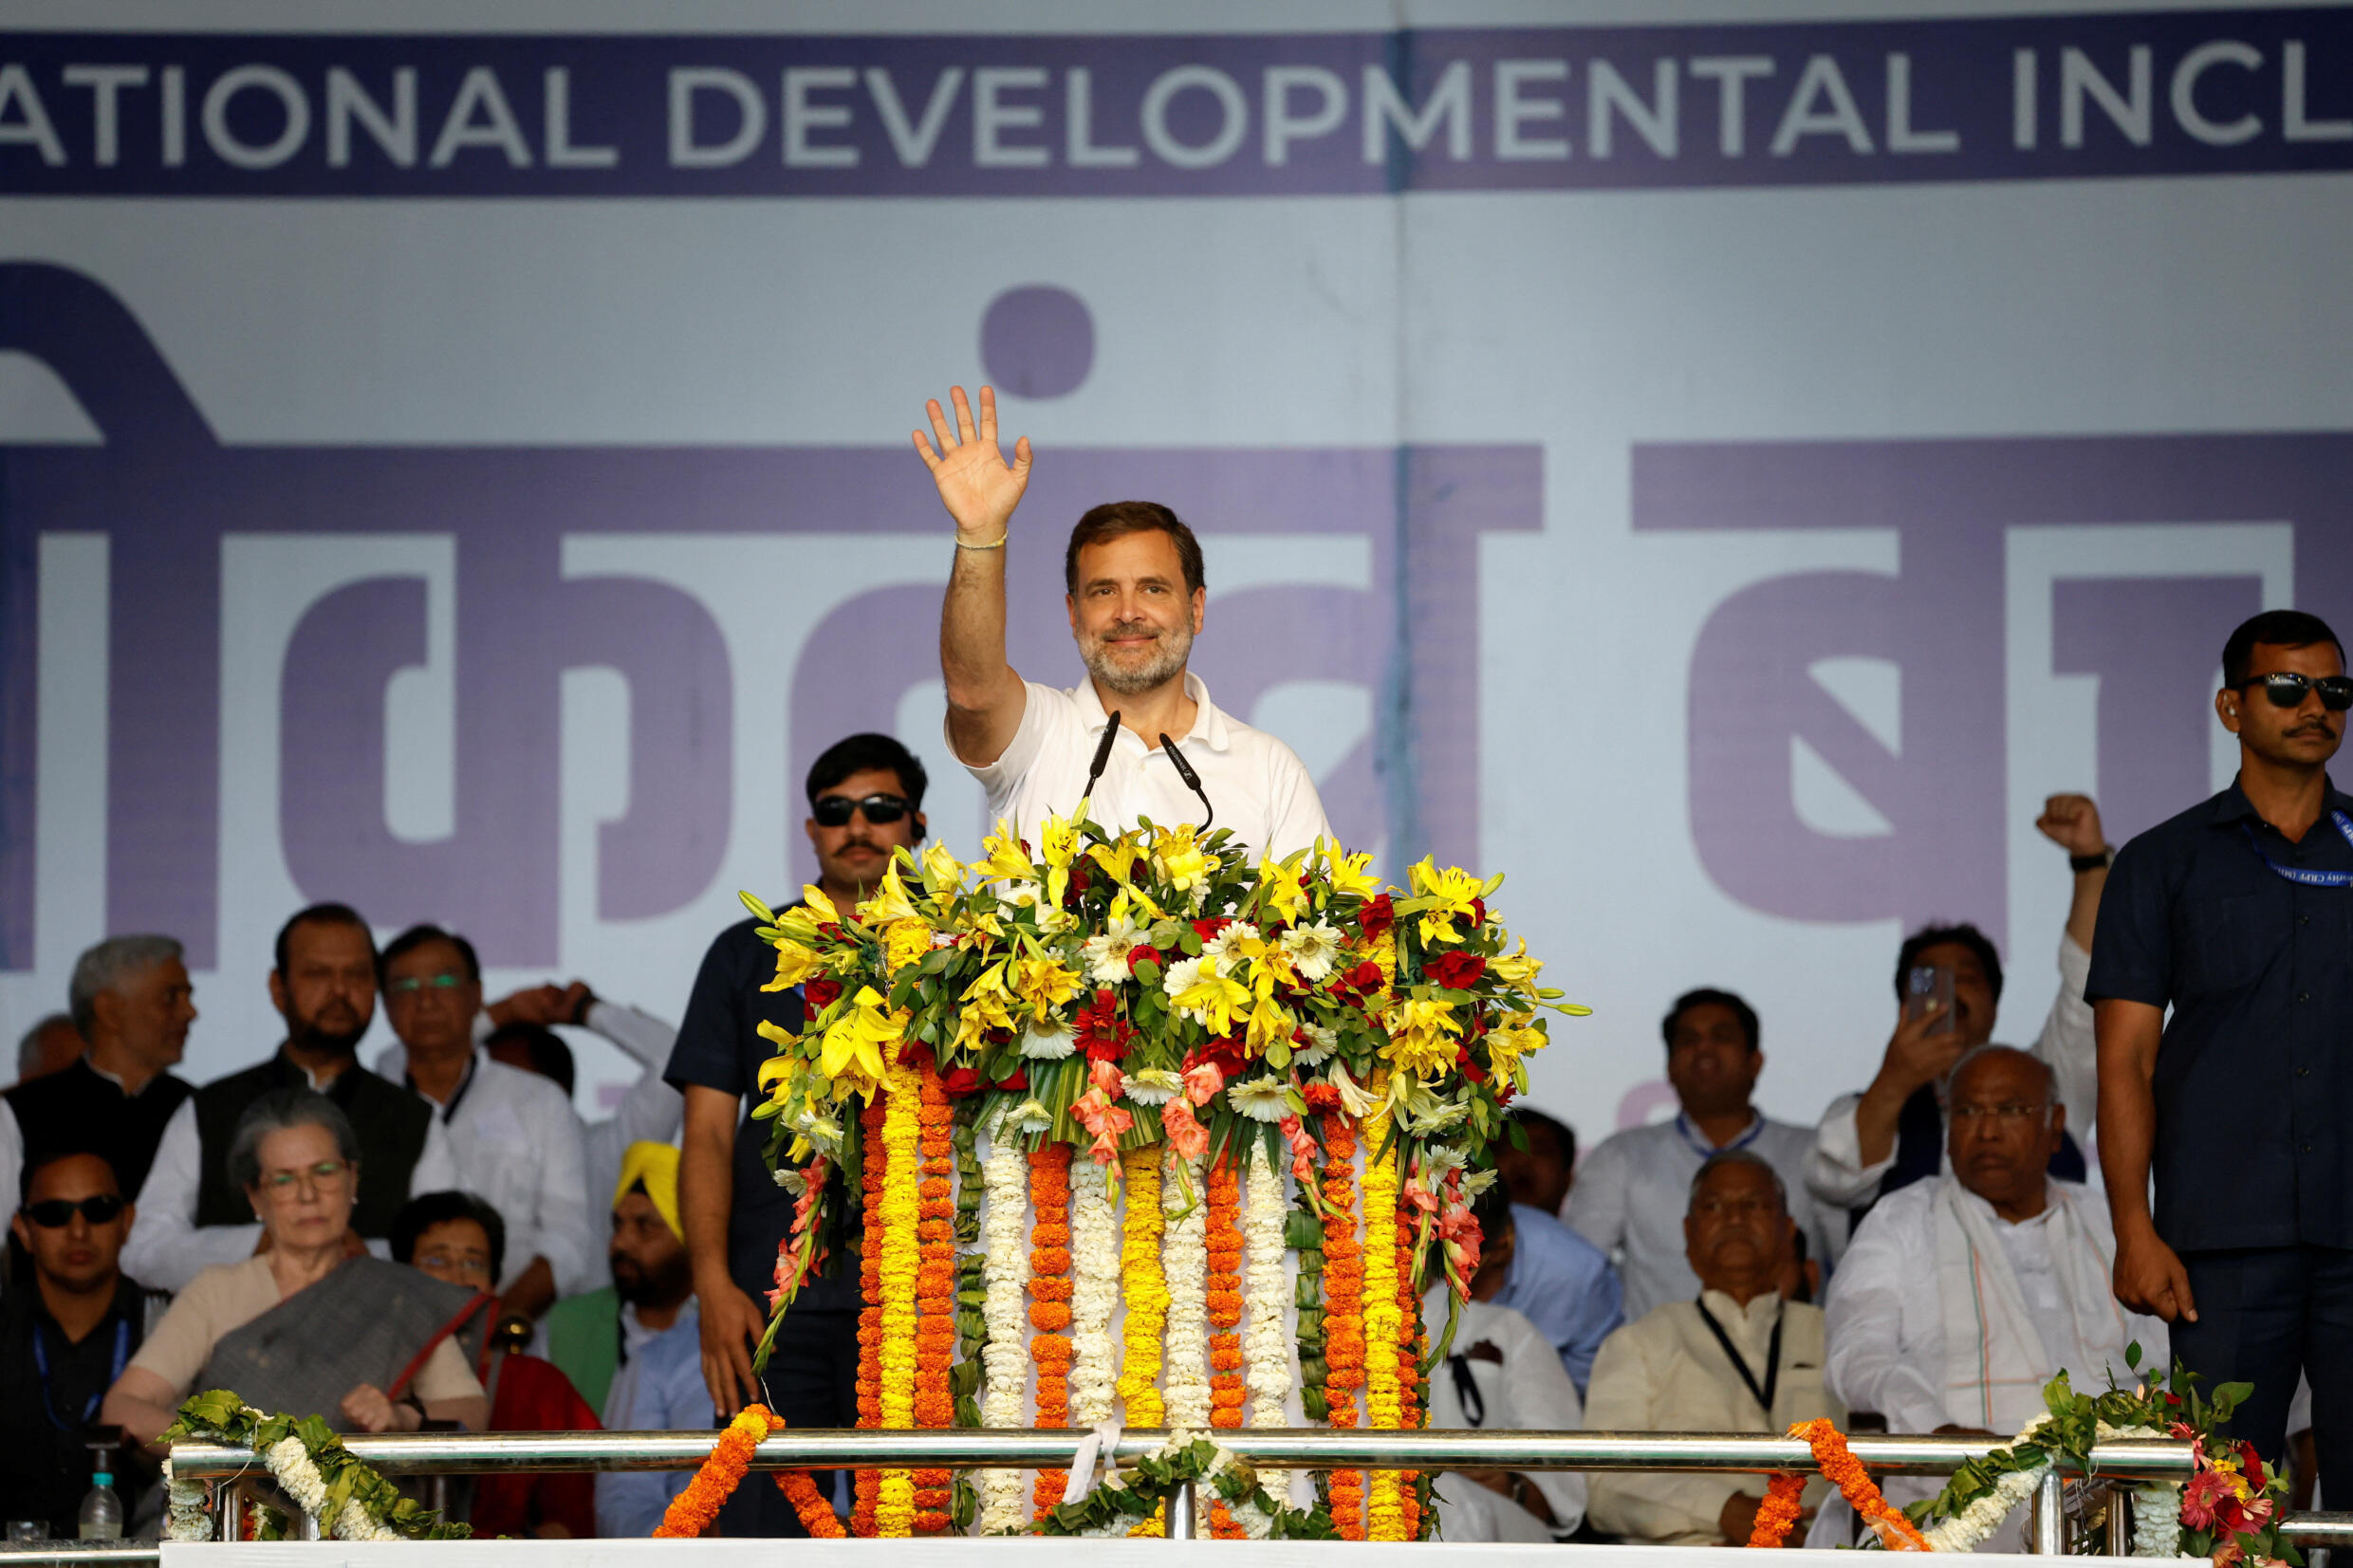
column 309, row 1035
column 662, row 1287
column 1166, row 663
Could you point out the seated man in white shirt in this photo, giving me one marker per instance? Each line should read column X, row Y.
column 1501, row 1373
column 1738, row 1358
column 1632, row 1191
column 1136, row 596
column 1892, row 1134
column 1962, row 1296
column 517, row 1140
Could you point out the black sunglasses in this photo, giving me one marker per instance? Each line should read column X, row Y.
column 2286, row 689
column 834, row 810
column 52, row 1213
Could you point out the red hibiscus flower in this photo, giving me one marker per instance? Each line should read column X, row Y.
column 962, row 1082
column 1457, row 972
column 1377, row 916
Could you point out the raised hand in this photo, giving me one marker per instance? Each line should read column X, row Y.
column 976, row 485
column 2073, row 822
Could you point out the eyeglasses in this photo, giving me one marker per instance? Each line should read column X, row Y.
column 409, row 984
column 834, row 810
column 2008, row 1115
column 2287, row 688
column 324, row 1174
column 52, row 1213
column 452, row 1262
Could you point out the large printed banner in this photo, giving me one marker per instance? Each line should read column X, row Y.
column 1721, row 476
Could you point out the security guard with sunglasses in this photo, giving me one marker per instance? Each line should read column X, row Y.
column 70, row 1320
column 866, row 797
column 2238, row 915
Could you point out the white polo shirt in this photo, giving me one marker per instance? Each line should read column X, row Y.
column 1258, row 786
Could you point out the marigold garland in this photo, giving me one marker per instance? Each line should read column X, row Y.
column 935, row 1291
column 1411, row 1404
column 690, row 1512
column 867, row 1482
column 1384, row 1326
column 1777, row 1515
column 1143, row 1288
column 1050, row 1310
column 1343, row 1311
column 1840, row 1467
column 901, row 1264
column 1224, row 1301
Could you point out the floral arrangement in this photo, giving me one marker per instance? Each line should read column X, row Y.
column 1124, row 1499
column 309, row 1464
column 1187, row 1067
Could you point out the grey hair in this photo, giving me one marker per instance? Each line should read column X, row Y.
column 277, row 1112
column 108, row 966
column 2050, row 1080
column 28, row 1048
column 1738, row 1156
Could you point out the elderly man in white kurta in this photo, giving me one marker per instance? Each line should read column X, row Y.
column 1136, row 597
column 1962, row 1297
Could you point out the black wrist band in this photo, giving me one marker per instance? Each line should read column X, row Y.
column 2091, row 862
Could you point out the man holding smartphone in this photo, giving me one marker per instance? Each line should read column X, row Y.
column 2237, row 914
column 1948, row 984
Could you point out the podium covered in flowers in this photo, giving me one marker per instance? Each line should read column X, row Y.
column 1137, row 1129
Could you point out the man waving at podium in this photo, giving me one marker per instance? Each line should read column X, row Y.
column 1136, row 597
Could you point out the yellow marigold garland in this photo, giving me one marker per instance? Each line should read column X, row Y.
column 935, row 1292
column 902, row 1263
column 1410, row 1413
column 1384, row 1326
column 1142, row 1288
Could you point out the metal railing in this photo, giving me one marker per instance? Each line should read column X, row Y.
column 489, row 1454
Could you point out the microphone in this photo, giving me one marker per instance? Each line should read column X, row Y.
column 1102, row 757
column 1193, row 779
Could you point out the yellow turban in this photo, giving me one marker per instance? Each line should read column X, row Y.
column 656, row 1166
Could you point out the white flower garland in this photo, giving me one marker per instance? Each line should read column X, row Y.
column 1094, row 1297
column 1266, row 1341
column 1184, row 1265
column 1257, row 1524
column 289, row 1463
column 1004, row 1494
column 186, row 1516
column 2157, row 1508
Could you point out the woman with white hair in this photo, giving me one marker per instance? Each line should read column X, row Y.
column 310, row 1324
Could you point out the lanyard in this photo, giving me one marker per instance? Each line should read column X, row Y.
column 2296, row 873
column 1705, row 1149
column 41, row 1361
column 1773, row 1358
column 1466, row 1390
column 456, row 1099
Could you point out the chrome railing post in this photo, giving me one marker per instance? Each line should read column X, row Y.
column 2048, row 1524
column 1180, row 1512
column 2120, row 1520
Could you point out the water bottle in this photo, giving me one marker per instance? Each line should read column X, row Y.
column 102, row 1509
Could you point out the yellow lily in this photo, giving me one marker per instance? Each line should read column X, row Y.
column 852, row 1050
column 1269, row 1023
column 1214, row 998
column 1281, row 890
column 1043, row 985
column 794, row 964
column 1003, row 859
column 943, row 874
column 1117, row 857
column 1516, row 969
column 1181, row 862
column 889, row 902
column 1421, row 1038
column 1347, row 873
column 1453, row 891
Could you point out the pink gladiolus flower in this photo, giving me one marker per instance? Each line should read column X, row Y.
column 1304, row 1147
column 1186, row 1135
column 1106, row 1077
column 1202, row 1081
column 1419, row 1196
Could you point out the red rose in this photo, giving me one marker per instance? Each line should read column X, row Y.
column 1471, row 1069
column 1017, row 1078
column 1377, row 916
column 1457, row 972
column 1210, row 926
column 961, row 1082
column 1143, row 954
column 821, row 991
column 1479, row 911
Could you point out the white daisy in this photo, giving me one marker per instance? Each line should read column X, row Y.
column 1322, row 1043
column 1048, row 1041
column 1154, row 1086
column 1314, row 950
column 1106, row 954
column 1224, row 949
column 1181, row 976
column 1261, row 1098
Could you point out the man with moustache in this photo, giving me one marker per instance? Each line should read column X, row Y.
column 865, row 797
column 191, row 1215
column 1135, row 595
column 660, row 1384
column 2237, row 916
column 133, row 1002
column 65, row 1339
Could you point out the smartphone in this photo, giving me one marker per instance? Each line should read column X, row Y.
column 1926, row 985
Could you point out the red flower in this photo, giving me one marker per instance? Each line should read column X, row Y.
column 1225, row 1055
column 961, row 1082
column 1211, row 926
column 1143, row 954
column 1457, row 972
column 820, row 991
column 1471, row 1069
column 2252, row 1463
column 1322, row 1096
column 1479, row 911
column 1101, row 1032
column 1378, row 915
column 913, row 1053
column 1356, row 984
column 1017, row 1078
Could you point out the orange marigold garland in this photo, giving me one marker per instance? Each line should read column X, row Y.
column 1840, row 1467
column 690, row 1512
column 1049, row 1302
column 935, row 1291
column 1227, row 1388
column 867, row 1482
column 1775, row 1517
column 1343, row 1311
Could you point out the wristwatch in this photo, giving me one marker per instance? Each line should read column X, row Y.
column 2092, row 863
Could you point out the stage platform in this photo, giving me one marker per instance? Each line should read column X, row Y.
column 955, row 1552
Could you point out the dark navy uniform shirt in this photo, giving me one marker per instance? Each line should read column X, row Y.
column 2254, row 1077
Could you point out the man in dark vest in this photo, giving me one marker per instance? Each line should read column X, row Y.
column 191, row 1215
column 132, row 1001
